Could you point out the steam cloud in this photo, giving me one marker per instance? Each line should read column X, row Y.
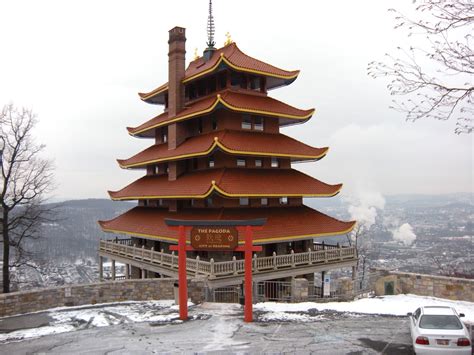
column 404, row 234
column 363, row 207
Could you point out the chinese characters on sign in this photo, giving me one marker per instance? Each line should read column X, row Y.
column 214, row 238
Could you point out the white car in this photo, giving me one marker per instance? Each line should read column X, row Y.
column 438, row 330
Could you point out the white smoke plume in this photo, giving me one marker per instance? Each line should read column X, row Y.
column 363, row 207
column 404, row 234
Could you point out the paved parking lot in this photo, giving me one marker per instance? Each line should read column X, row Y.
column 218, row 328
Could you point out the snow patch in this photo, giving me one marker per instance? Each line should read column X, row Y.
column 398, row 305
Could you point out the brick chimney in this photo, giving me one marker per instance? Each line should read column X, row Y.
column 176, row 68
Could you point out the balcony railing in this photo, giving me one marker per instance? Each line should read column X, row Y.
column 330, row 254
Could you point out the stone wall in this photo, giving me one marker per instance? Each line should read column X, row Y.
column 426, row 285
column 104, row 292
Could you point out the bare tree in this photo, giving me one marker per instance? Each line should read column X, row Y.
column 26, row 180
column 357, row 239
column 436, row 81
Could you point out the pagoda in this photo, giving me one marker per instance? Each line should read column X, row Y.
column 217, row 153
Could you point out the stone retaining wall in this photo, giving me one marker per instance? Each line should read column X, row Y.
column 426, row 285
column 103, row 292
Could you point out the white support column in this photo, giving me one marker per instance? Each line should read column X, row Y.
column 113, row 270
column 101, row 268
column 127, row 271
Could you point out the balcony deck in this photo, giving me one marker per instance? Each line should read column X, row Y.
column 324, row 257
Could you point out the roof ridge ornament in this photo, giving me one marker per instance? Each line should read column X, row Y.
column 210, row 28
column 228, row 39
column 209, row 51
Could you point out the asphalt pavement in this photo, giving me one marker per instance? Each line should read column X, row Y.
column 219, row 328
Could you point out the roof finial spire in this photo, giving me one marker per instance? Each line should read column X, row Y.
column 210, row 28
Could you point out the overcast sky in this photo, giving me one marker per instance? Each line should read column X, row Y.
column 80, row 64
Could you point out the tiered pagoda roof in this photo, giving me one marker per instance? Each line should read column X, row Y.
column 229, row 141
column 241, row 156
column 283, row 224
column 235, row 101
column 228, row 56
column 230, row 182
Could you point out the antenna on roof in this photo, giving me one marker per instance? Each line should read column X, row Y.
column 210, row 28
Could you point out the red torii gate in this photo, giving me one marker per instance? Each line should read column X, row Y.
column 247, row 226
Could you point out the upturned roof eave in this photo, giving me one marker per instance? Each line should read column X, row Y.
column 287, row 76
column 223, row 98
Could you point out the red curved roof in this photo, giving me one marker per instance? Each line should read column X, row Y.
column 235, row 101
column 233, row 142
column 232, row 57
column 235, row 182
column 289, row 223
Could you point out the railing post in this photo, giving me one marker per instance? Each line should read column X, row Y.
column 212, row 267
column 134, row 248
column 274, row 260
column 292, row 258
column 161, row 256
column 340, row 251
column 197, row 264
column 143, row 252
column 234, row 265
column 309, row 257
column 255, row 266
column 325, row 255
column 172, row 259
column 151, row 254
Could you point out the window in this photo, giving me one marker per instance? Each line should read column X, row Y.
column 222, row 78
column 258, row 124
column 243, row 81
column 145, row 203
column 192, row 203
column 275, row 163
column 164, row 136
column 264, row 201
column 160, row 202
column 192, row 91
column 240, row 162
column 258, row 163
column 440, row 321
column 246, row 122
column 211, row 84
column 209, row 201
column 200, row 125
column 255, row 83
column 211, row 162
column 214, row 122
column 157, row 169
column 283, row 200
column 244, row 201
column 201, row 88
column 195, row 163
column 235, row 79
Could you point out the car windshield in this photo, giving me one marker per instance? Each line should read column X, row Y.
column 440, row 322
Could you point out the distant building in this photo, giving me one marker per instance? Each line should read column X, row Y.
column 218, row 154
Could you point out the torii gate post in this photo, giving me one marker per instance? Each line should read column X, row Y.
column 248, row 226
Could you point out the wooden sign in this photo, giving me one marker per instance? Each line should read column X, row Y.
column 214, row 238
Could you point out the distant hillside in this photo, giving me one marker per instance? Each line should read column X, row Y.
column 76, row 233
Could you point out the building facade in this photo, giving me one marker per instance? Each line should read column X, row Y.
column 217, row 153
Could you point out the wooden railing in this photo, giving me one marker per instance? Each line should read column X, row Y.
column 214, row 269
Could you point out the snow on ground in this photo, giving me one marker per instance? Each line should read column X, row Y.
column 229, row 315
column 88, row 316
column 398, row 305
